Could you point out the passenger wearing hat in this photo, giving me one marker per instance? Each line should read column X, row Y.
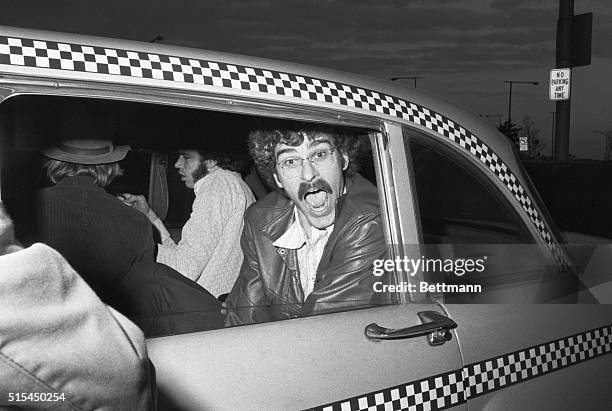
column 110, row 244
column 99, row 235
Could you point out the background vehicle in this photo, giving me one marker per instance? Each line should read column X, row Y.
column 450, row 187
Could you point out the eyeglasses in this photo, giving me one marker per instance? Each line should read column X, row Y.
column 320, row 159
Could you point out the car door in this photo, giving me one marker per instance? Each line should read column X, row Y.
column 518, row 352
column 325, row 361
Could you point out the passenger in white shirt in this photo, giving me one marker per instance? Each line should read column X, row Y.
column 209, row 251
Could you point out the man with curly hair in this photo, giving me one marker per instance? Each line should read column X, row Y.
column 309, row 246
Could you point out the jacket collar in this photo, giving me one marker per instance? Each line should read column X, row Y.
column 82, row 181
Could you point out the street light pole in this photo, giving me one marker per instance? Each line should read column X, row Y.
column 535, row 83
column 415, row 78
column 509, row 101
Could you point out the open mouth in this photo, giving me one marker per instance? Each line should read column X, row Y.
column 317, row 200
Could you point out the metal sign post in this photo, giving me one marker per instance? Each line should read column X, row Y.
column 574, row 35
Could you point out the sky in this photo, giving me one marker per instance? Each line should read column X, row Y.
column 463, row 50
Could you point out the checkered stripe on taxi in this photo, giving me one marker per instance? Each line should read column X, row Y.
column 136, row 64
column 456, row 387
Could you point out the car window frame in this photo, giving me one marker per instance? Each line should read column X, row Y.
column 245, row 106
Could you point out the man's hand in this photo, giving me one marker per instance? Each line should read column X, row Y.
column 139, row 203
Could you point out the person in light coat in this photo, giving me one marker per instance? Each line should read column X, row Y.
column 61, row 347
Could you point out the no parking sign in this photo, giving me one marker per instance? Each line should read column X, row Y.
column 560, row 84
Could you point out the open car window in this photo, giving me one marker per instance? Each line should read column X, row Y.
column 156, row 134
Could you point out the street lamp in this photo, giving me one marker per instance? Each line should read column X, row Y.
column 406, row 78
column 535, row 83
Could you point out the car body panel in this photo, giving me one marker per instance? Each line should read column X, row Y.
column 594, row 255
column 562, row 359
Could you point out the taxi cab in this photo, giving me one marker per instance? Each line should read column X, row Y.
column 523, row 332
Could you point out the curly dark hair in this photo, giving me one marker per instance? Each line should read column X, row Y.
column 263, row 142
column 228, row 161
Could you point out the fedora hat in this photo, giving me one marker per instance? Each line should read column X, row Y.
column 87, row 151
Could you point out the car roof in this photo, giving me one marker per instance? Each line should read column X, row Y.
column 31, row 53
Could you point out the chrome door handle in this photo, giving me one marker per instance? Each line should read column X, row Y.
column 436, row 325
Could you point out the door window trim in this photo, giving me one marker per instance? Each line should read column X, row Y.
column 380, row 156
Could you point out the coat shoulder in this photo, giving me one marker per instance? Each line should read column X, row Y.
column 361, row 197
column 267, row 209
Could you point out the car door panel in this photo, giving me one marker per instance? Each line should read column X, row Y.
column 299, row 363
column 519, row 355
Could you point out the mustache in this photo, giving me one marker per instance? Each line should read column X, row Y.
column 319, row 184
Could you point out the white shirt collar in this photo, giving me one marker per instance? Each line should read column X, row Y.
column 295, row 237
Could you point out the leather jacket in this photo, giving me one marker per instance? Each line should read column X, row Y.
column 268, row 287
